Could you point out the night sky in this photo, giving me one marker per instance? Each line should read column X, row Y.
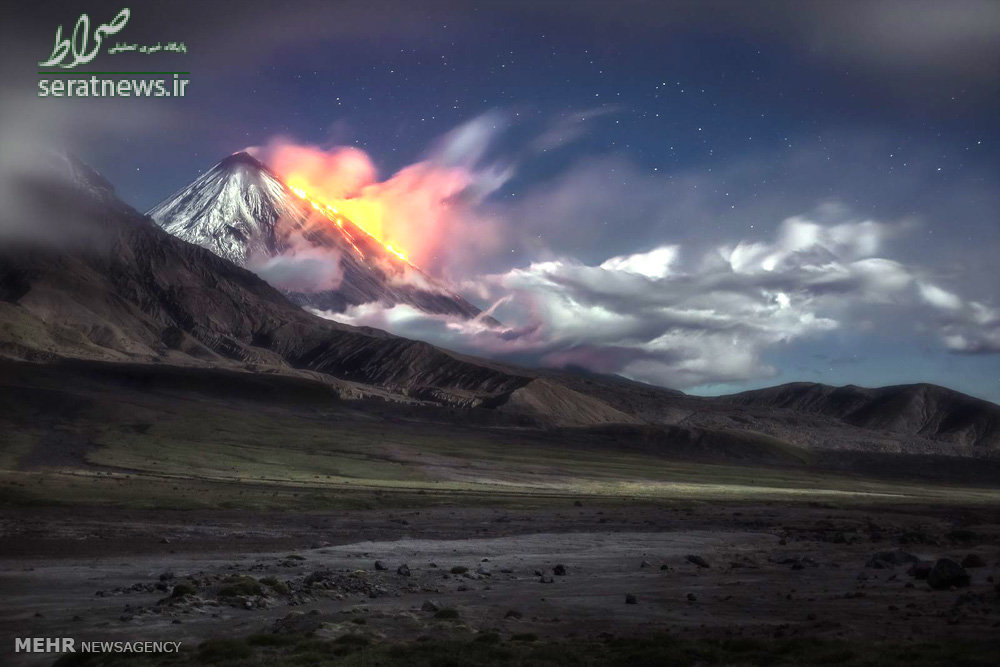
column 713, row 196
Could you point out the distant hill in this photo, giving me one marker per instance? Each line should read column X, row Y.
column 923, row 410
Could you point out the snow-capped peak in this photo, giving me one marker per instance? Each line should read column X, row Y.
column 232, row 210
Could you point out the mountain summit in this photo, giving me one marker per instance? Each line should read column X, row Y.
column 233, row 210
column 241, row 211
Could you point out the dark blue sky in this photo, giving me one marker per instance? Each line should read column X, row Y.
column 699, row 125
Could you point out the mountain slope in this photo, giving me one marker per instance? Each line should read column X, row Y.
column 244, row 213
column 132, row 292
column 104, row 283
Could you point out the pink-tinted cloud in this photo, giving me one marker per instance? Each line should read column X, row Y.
column 428, row 210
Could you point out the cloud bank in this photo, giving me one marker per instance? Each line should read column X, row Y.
column 684, row 318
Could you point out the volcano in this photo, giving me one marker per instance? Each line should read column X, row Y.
column 241, row 211
column 101, row 285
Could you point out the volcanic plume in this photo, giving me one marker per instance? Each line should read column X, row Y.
column 311, row 247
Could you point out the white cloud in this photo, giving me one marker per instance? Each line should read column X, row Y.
column 653, row 264
column 646, row 317
column 938, row 297
column 301, row 268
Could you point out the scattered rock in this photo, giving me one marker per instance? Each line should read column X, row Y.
column 645, row 563
column 947, row 573
column 691, row 597
column 559, row 570
column 920, row 569
column 428, row 605
column 546, row 580
column 403, row 570
column 298, row 623
column 379, row 565
column 916, row 536
column 630, row 599
column 886, row 559
column 513, row 613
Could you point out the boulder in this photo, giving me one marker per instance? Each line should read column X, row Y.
column 973, row 560
column 697, row 560
column 947, row 573
column 920, row 569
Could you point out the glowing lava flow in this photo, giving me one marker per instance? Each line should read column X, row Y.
column 360, row 213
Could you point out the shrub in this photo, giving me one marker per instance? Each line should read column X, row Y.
column 240, row 585
column 275, row 585
column 182, row 589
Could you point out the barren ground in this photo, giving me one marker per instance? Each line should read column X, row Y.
column 776, row 570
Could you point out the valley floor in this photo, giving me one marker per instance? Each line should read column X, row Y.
column 785, row 581
column 260, row 521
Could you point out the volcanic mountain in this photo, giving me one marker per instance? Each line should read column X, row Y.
column 241, row 211
column 102, row 283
